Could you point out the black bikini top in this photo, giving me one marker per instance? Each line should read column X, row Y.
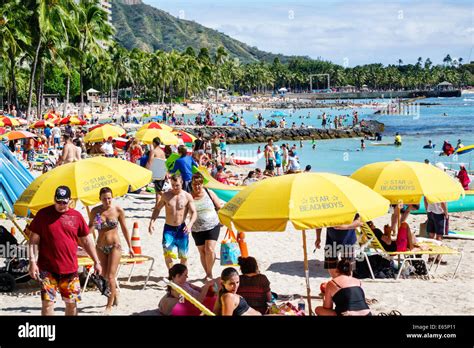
column 241, row 308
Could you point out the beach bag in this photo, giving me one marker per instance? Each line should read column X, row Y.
column 419, row 268
column 230, row 251
column 423, row 232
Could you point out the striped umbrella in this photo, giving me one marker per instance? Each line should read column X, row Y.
column 13, row 135
column 73, row 120
column 187, row 137
column 2, row 131
column 22, row 121
column 156, row 125
column 50, row 116
column 41, row 124
column 147, row 136
column 9, row 122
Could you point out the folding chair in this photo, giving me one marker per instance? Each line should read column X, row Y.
column 374, row 247
column 86, row 261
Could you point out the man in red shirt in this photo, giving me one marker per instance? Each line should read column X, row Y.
column 55, row 232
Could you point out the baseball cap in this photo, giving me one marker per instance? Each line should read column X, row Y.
column 63, row 193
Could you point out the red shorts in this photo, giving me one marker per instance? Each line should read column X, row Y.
column 68, row 286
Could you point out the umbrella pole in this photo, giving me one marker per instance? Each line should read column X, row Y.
column 89, row 214
column 306, row 272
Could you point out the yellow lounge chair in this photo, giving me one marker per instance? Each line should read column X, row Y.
column 371, row 245
column 86, row 261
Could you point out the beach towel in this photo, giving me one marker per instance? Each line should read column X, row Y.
column 158, row 168
column 230, row 250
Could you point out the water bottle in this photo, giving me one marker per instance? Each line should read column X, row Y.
column 301, row 304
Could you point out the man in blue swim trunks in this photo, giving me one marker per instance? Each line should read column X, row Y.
column 178, row 203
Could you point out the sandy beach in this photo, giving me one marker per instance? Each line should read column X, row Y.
column 280, row 257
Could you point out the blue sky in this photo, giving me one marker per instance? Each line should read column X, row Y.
column 344, row 32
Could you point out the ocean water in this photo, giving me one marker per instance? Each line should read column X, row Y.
column 343, row 156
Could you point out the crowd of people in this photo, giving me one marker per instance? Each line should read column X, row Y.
column 190, row 210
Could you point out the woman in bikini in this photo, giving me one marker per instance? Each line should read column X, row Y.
column 345, row 292
column 106, row 218
column 229, row 303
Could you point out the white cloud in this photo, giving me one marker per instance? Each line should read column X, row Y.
column 363, row 31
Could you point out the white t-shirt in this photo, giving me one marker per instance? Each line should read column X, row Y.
column 435, row 208
column 293, row 163
column 56, row 132
column 107, row 148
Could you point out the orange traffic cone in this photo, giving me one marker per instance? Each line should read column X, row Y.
column 242, row 244
column 136, row 245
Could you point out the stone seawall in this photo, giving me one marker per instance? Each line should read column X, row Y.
column 239, row 135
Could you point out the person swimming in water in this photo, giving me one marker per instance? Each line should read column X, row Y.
column 430, row 145
column 398, row 139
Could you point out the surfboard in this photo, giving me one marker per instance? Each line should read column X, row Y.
column 141, row 196
column 382, row 144
column 465, row 203
column 158, row 169
column 460, row 235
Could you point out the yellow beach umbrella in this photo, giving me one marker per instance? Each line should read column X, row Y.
column 407, row 182
column 156, row 125
column 307, row 200
column 102, row 133
column 147, row 136
column 85, row 178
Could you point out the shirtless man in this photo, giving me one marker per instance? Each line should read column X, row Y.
column 157, row 152
column 177, row 203
column 69, row 153
column 30, row 152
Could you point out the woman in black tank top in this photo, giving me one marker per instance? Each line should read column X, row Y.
column 229, row 303
column 345, row 292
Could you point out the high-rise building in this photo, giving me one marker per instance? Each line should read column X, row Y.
column 107, row 6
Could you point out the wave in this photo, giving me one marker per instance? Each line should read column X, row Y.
column 468, row 99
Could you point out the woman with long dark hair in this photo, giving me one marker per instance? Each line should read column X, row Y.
column 229, row 303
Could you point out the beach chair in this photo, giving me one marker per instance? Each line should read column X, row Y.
column 372, row 246
column 86, row 261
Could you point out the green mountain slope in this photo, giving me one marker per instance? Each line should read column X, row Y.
column 148, row 28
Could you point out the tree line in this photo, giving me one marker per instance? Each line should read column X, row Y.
column 65, row 47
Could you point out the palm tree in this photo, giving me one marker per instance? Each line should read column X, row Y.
column 50, row 21
column 95, row 33
column 13, row 37
column 447, row 60
column 400, row 62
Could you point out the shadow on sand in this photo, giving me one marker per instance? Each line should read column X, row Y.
column 296, row 268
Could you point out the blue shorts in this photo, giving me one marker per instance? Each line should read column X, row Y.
column 175, row 238
column 57, row 140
